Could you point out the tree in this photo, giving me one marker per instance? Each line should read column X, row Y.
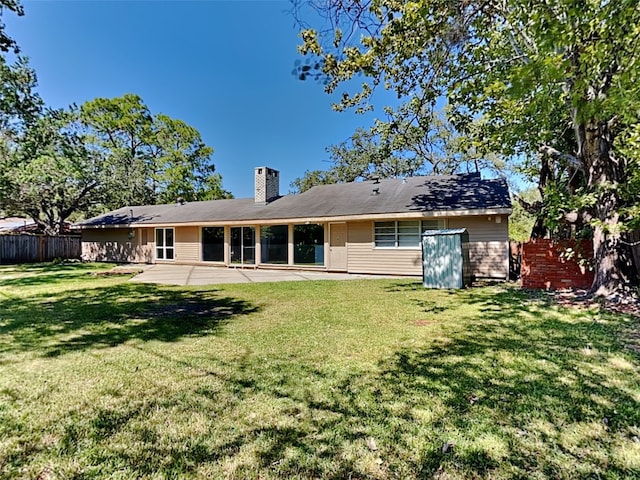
column 430, row 143
column 312, row 178
column 6, row 42
column 52, row 175
column 555, row 82
column 521, row 221
column 106, row 155
column 410, row 141
column 154, row 159
column 20, row 106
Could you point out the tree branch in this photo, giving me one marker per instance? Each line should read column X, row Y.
column 557, row 154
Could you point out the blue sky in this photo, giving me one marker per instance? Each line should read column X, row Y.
column 223, row 67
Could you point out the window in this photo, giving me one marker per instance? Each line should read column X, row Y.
column 308, row 241
column 164, row 243
column 404, row 233
column 213, row 244
column 274, row 244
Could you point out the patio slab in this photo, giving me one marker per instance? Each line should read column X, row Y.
column 202, row 275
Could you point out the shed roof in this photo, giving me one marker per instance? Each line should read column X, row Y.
column 444, row 231
column 422, row 195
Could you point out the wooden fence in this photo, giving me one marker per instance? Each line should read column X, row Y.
column 38, row 248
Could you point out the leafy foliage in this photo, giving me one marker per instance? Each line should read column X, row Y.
column 521, row 221
column 553, row 84
column 52, row 175
column 411, row 141
column 154, row 159
column 20, row 104
column 6, row 42
column 108, row 153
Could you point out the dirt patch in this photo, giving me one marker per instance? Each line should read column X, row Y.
column 116, row 272
column 423, row 323
column 623, row 303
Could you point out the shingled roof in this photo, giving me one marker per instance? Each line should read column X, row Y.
column 462, row 194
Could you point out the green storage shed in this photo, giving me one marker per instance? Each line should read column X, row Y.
column 445, row 259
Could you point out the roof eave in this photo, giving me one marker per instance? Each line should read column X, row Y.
column 320, row 219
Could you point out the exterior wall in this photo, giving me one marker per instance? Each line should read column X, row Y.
column 488, row 249
column 362, row 257
column 187, row 244
column 488, row 244
column 114, row 245
column 545, row 267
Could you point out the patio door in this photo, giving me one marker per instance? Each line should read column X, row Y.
column 243, row 245
column 338, row 246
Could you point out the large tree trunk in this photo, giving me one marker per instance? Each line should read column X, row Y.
column 612, row 259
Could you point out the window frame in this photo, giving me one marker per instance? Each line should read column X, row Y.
column 384, row 232
column 164, row 248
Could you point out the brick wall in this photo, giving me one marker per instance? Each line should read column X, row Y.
column 546, row 265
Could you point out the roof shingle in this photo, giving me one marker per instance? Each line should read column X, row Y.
column 414, row 194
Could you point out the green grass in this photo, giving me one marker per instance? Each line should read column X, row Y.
column 103, row 378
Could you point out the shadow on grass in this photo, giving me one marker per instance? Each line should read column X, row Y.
column 524, row 390
column 53, row 324
column 529, row 378
column 31, row 275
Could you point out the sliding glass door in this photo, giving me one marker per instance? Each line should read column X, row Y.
column 243, row 245
column 213, row 244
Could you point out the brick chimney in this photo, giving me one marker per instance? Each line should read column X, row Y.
column 267, row 186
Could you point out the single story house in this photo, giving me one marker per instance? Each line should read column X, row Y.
column 16, row 225
column 373, row 226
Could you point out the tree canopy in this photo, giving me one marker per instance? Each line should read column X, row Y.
column 153, row 158
column 6, row 42
column 51, row 174
column 106, row 154
column 408, row 142
column 554, row 84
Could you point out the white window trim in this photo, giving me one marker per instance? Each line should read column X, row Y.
column 442, row 223
column 164, row 247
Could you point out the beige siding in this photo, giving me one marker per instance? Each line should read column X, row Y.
column 115, row 245
column 487, row 250
column 488, row 247
column 364, row 258
column 488, row 244
column 187, row 244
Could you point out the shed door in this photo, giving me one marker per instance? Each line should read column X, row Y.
column 338, row 246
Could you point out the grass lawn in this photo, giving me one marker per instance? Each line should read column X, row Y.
column 102, row 378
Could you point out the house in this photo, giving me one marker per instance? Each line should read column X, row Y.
column 16, row 225
column 362, row 227
column 21, row 225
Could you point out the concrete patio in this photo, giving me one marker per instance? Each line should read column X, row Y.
column 203, row 275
